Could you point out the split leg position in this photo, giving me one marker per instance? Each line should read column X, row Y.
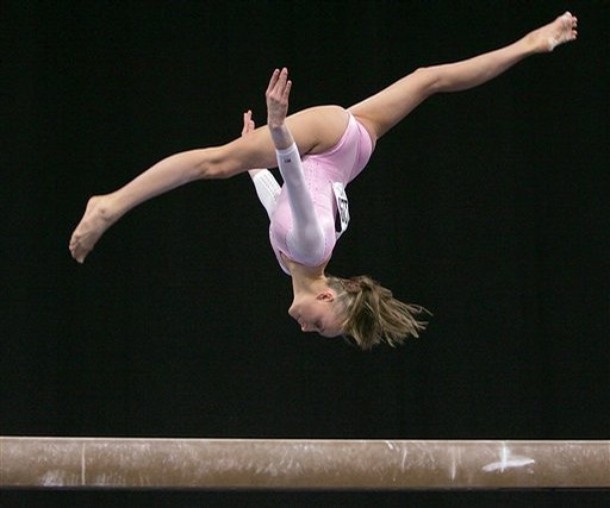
column 314, row 130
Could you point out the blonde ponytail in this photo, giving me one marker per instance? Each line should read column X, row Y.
column 373, row 315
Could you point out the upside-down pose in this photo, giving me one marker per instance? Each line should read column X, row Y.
column 319, row 151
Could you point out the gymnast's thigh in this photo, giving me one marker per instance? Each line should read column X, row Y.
column 315, row 130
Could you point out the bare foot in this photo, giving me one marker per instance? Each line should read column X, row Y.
column 95, row 221
column 548, row 37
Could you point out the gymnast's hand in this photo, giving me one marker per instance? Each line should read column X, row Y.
column 248, row 129
column 249, row 125
column 276, row 96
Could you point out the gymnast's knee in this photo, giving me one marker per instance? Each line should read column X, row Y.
column 214, row 164
column 429, row 79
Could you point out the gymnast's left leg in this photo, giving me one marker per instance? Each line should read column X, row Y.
column 314, row 130
column 384, row 110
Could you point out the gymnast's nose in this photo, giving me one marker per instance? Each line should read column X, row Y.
column 305, row 327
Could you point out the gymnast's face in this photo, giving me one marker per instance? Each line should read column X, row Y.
column 317, row 313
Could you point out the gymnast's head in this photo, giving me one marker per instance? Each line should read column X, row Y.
column 359, row 309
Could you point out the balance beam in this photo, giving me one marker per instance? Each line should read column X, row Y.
column 117, row 463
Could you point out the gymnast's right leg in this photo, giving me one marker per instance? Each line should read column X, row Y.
column 385, row 109
column 314, row 130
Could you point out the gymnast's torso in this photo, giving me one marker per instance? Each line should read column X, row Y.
column 326, row 176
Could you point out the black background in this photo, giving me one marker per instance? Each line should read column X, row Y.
column 489, row 207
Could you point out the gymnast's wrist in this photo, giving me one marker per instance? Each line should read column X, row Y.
column 288, row 151
column 282, row 138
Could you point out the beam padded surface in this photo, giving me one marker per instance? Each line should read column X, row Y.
column 49, row 462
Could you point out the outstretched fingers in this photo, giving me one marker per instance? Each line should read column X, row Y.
column 279, row 86
column 274, row 79
column 249, row 125
column 277, row 96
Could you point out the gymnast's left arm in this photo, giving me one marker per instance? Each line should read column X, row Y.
column 267, row 188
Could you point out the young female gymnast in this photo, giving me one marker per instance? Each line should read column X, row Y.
column 319, row 151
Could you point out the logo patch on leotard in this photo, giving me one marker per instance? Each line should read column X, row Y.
column 342, row 217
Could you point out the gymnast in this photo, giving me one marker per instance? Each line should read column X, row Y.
column 319, row 151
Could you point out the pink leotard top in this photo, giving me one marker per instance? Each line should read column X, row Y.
column 326, row 176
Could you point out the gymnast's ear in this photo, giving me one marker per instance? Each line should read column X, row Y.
column 326, row 296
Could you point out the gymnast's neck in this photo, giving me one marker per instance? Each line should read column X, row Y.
column 306, row 278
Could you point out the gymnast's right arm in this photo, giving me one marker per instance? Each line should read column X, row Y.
column 307, row 235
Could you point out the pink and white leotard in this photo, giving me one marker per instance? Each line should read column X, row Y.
column 310, row 211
